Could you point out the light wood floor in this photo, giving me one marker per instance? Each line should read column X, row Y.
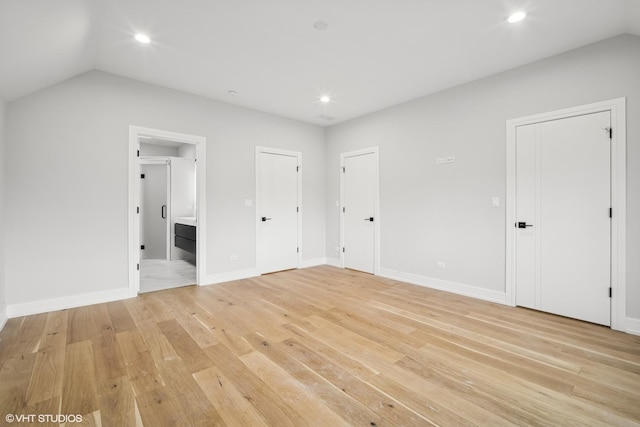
column 317, row 347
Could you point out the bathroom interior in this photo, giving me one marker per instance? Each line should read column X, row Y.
column 167, row 214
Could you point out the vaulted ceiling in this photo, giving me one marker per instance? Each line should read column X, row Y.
column 269, row 55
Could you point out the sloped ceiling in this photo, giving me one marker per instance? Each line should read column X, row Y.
column 373, row 53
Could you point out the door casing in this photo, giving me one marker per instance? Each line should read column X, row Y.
column 374, row 151
column 617, row 108
column 134, row 200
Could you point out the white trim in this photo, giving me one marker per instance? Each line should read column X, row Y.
column 376, row 192
column 230, row 276
column 632, row 326
column 298, row 156
column 445, row 285
column 313, row 262
column 134, row 200
column 53, row 304
column 617, row 107
column 3, row 318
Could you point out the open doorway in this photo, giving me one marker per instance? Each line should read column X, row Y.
column 167, row 196
column 168, row 220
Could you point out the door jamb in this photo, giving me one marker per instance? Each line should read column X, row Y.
column 134, row 200
column 298, row 156
column 617, row 108
column 376, row 194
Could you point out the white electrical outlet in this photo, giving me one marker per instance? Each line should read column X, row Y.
column 441, row 264
column 495, row 202
column 233, row 257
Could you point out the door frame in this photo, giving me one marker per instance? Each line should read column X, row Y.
column 617, row 109
column 375, row 151
column 298, row 155
column 167, row 163
column 134, row 200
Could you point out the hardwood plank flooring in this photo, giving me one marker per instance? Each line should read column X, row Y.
column 317, row 347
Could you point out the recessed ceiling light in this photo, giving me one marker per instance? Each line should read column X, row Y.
column 516, row 17
column 325, row 99
column 143, row 38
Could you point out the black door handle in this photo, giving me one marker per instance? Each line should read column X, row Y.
column 369, row 219
column 264, row 219
column 163, row 212
column 523, row 225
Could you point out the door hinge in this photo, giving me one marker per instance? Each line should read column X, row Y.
column 610, row 212
column 610, row 292
column 298, row 250
column 344, row 209
column 344, row 169
column 137, row 209
column 142, row 247
column 610, row 133
column 297, row 208
column 141, row 176
column 297, row 168
column 138, row 267
column 138, row 153
column 343, row 250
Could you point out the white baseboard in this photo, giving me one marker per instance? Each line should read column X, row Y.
column 231, row 276
column 248, row 273
column 3, row 318
column 445, row 285
column 632, row 326
column 53, row 304
column 306, row 263
column 334, row 262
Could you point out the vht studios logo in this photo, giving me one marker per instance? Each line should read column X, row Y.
column 42, row 418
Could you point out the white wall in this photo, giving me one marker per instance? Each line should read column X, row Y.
column 158, row 150
column 183, row 198
column 187, row 151
column 432, row 212
column 67, row 181
column 3, row 300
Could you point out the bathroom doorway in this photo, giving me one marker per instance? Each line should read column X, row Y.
column 167, row 195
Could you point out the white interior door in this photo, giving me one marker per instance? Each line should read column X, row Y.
column 277, row 211
column 154, row 211
column 359, row 211
column 563, row 197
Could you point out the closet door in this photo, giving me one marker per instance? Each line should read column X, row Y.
column 563, row 200
column 359, row 188
column 278, row 211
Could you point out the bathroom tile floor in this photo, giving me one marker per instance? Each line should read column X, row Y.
column 159, row 274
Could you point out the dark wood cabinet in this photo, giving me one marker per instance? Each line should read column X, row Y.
column 185, row 237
